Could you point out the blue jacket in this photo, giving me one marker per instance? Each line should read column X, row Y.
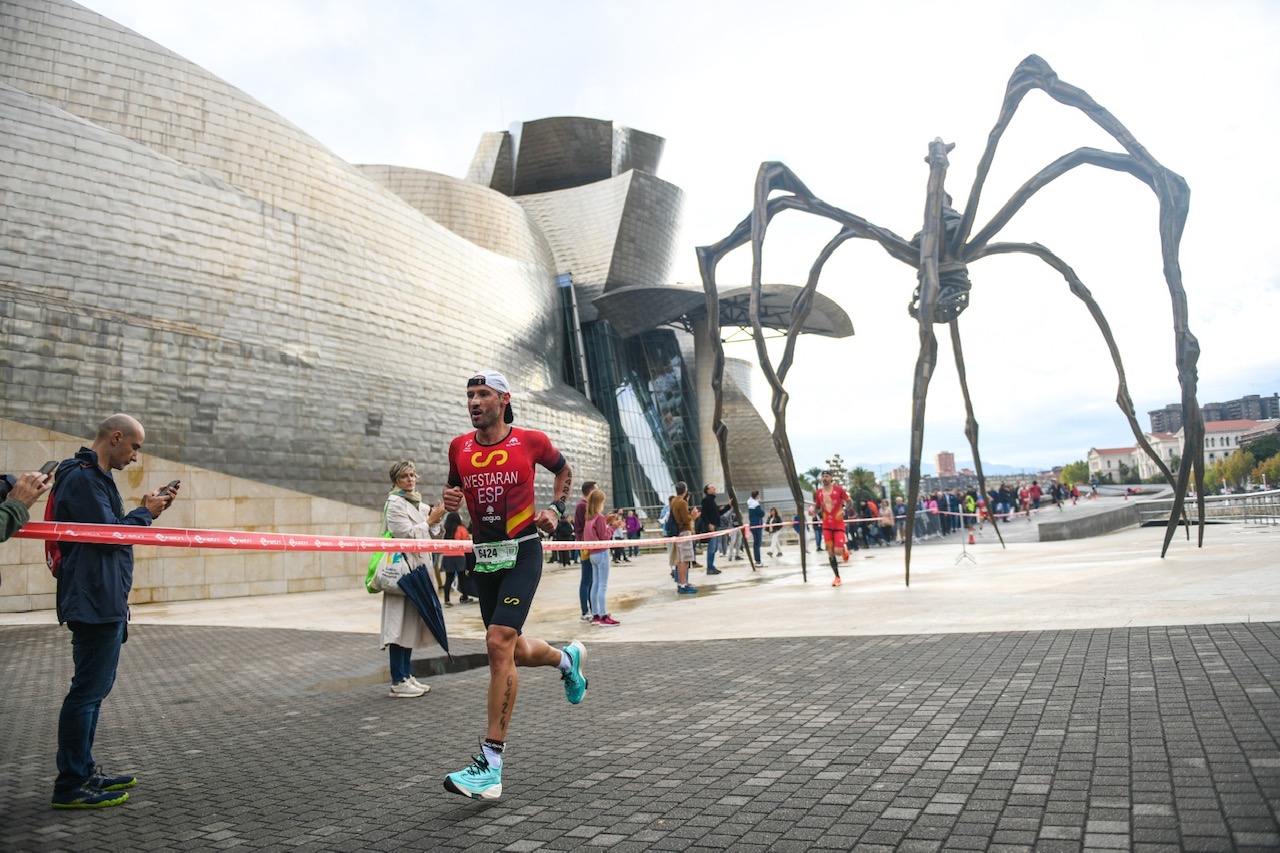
column 93, row 580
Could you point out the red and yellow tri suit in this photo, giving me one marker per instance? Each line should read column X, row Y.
column 498, row 480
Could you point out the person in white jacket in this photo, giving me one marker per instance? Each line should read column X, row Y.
column 402, row 628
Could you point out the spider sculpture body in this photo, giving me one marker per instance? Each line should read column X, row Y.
column 940, row 254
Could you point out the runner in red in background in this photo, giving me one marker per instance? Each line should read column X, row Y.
column 830, row 499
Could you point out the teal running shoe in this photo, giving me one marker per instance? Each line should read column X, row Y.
column 479, row 781
column 575, row 683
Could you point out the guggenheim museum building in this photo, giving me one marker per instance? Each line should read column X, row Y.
column 288, row 324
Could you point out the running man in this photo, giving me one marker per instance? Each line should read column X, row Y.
column 493, row 469
column 830, row 499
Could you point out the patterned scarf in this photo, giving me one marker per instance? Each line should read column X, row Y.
column 414, row 498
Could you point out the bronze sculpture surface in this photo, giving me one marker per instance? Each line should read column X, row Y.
column 940, row 254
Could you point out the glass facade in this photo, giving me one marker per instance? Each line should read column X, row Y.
column 643, row 389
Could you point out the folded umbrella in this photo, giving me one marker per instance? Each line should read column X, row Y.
column 419, row 588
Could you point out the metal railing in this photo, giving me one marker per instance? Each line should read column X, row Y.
column 1243, row 508
column 1261, row 507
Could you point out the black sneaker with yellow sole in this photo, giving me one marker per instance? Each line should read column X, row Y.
column 85, row 797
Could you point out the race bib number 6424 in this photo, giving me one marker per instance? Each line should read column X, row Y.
column 495, row 556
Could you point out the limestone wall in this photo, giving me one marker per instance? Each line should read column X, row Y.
column 208, row 500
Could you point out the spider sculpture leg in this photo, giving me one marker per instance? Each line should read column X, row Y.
column 971, row 422
column 1174, row 198
column 931, row 239
column 770, row 178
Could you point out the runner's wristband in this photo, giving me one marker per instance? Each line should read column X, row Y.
column 558, row 506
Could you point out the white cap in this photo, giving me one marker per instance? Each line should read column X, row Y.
column 497, row 382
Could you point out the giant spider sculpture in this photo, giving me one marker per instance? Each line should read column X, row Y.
column 940, row 254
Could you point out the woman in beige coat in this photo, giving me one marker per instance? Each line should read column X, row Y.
column 402, row 628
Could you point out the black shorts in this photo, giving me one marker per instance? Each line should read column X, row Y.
column 506, row 595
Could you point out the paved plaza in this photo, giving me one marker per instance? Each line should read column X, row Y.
column 1055, row 696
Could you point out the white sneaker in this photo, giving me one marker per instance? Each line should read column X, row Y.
column 587, row 617
column 425, row 688
column 406, row 690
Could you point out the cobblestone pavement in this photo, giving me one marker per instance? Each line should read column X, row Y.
column 1139, row 738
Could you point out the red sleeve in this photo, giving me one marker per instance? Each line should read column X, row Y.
column 455, row 479
column 546, row 454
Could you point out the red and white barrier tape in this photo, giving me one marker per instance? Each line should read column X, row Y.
column 180, row 537
column 243, row 540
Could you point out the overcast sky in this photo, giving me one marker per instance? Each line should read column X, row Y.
column 849, row 94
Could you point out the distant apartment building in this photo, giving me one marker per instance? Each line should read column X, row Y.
column 945, row 462
column 1168, row 419
column 1251, row 407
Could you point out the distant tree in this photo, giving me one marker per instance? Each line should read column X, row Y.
column 1076, row 472
column 1214, row 477
column 863, row 485
column 1127, row 474
column 1268, row 473
column 896, row 490
column 1236, row 469
column 1232, row 472
column 1264, row 447
column 809, row 479
column 1105, row 478
column 1175, row 462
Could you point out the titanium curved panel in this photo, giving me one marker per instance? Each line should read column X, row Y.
column 571, row 151
column 614, row 233
column 473, row 212
column 755, row 460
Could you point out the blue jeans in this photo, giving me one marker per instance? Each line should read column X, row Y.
column 95, row 651
column 713, row 545
column 599, row 583
column 584, row 589
column 635, row 550
column 401, row 662
column 757, row 537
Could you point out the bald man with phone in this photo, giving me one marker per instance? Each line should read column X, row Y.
column 94, row 581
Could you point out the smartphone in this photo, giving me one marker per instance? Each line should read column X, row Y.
column 48, row 467
column 172, row 485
